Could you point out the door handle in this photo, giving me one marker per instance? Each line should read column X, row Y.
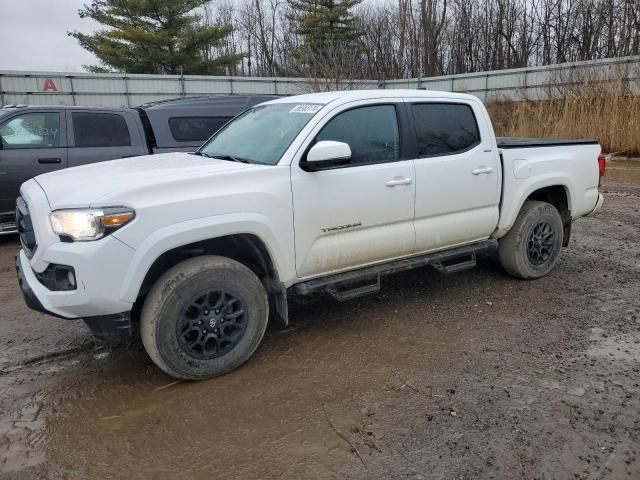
column 49, row 160
column 399, row 181
column 481, row 170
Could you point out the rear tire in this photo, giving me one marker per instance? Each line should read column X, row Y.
column 204, row 317
column 532, row 246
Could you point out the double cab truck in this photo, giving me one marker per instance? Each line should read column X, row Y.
column 319, row 193
column 36, row 140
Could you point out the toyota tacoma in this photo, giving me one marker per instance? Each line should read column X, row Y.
column 319, row 193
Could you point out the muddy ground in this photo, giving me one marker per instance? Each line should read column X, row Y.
column 473, row 375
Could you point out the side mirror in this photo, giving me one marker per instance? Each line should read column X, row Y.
column 325, row 155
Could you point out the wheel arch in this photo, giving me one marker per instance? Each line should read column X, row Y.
column 246, row 248
column 555, row 191
column 246, row 237
column 559, row 197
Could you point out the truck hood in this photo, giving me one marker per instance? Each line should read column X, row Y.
column 85, row 185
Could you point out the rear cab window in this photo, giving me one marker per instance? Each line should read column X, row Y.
column 100, row 130
column 195, row 129
column 444, row 128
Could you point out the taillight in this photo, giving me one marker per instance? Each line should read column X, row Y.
column 602, row 164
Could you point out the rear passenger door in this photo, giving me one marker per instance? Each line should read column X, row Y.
column 33, row 143
column 457, row 174
column 96, row 136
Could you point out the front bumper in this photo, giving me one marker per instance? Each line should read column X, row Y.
column 111, row 328
column 30, row 297
column 99, row 268
column 28, row 281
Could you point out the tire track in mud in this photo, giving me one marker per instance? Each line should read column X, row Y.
column 6, row 367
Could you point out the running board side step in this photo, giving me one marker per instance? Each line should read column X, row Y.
column 344, row 295
column 449, row 261
column 463, row 263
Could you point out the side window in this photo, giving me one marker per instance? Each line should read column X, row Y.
column 100, row 130
column 185, row 129
column 371, row 132
column 31, row 130
column 444, row 128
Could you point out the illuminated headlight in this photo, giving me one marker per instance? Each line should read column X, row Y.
column 82, row 225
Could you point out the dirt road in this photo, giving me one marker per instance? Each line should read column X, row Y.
column 473, row 375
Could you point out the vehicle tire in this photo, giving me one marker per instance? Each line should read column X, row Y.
column 204, row 317
column 532, row 246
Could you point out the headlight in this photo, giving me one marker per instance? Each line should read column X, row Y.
column 82, row 225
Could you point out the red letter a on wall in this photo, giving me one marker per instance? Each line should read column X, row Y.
column 49, row 85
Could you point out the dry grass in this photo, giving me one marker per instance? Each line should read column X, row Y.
column 613, row 121
column 609, row 114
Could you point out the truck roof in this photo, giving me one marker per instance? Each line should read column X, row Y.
column 13, row 108
column 344, row 96
column 233, row 103
column 223, row 103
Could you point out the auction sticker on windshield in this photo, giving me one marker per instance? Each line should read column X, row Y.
column 305, row 108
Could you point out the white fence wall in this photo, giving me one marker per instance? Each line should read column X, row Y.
column 533, row 83
column 122, row 90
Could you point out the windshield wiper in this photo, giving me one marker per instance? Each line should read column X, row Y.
column 222, row 156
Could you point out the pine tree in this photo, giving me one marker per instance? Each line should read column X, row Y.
column 153, row 36
column 327, row 27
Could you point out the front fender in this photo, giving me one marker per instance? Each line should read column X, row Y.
column 190, row 231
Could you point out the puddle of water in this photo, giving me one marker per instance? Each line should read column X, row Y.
column 623, row 171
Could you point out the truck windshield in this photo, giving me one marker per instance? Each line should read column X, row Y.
column 261, row 134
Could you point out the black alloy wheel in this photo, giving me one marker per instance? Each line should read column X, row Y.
column 540, row 243
column 212, row 324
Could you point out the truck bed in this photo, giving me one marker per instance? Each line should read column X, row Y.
column 529, row 162
column 514, row 142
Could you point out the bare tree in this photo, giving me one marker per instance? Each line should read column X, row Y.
column 411, row 38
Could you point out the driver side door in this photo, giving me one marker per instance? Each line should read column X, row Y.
column 362, row 212
column 33, row 143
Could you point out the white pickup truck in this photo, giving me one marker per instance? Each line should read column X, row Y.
column 314, row 193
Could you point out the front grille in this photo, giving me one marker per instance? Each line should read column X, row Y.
column 25, row 228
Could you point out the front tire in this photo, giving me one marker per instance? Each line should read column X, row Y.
column 204, row 317
column 532, row 246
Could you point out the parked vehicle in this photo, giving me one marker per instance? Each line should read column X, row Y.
column 37, row 140
column 315, row 193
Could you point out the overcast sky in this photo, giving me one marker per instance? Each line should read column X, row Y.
column 33, row 35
